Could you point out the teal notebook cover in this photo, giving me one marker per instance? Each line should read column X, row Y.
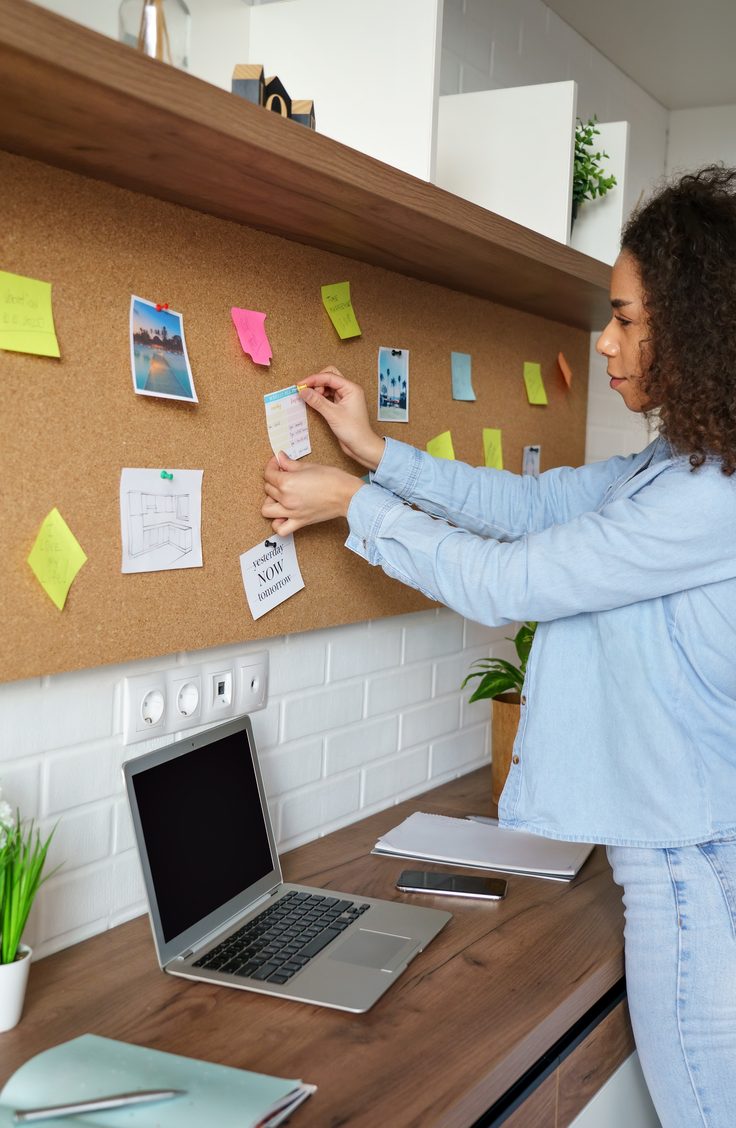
column 90, row 1067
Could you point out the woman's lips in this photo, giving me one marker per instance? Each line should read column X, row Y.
column 616, row 381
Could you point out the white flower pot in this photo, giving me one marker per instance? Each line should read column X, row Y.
column 13, row 980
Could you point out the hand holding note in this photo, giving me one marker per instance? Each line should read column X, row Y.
column 342, row 405
column 299, row 494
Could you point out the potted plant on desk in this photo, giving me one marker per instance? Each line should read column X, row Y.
column 22, row 858
column 502, row 681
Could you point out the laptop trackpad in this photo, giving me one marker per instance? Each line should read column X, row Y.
column 379, row 950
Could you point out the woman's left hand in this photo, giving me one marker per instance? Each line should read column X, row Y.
column 299, row 494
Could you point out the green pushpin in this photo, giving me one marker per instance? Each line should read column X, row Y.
column 165, row 474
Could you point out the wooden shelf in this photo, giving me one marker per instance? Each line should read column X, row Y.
column 83, row 102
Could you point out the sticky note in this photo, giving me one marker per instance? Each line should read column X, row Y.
column 336, row 300
column 492, row 453
column 565, row 369
column 56, row 557
column 270, row 574
column 26, row 319
column 534, row 385
column 252, row 334
column 441, row 446
column 286, row 419
column 462, row 387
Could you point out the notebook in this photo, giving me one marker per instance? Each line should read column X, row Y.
column 461, row 842
column 91, row 1066
column 219, row 908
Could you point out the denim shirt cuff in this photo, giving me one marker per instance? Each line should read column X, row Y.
column 399, row 469
column 367, row 511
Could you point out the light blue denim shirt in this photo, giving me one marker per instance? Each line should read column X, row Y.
column 628, row 720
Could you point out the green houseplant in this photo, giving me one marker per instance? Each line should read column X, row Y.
column 502, row 682
column 22, row 860
column 589, row 179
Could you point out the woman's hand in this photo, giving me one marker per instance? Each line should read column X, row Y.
column 304, row 494
column 342, row 404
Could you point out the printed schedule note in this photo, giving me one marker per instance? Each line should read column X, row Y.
column 286, row 419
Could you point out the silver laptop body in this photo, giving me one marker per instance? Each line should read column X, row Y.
column 210, row 868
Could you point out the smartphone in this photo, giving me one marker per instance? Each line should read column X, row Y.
column 452, row 884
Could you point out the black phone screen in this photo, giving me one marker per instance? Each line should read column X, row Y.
column 452, row 884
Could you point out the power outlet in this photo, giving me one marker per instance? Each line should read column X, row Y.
column 184, row 698
column 251, row 682
column 145, row 704
column 218, row 691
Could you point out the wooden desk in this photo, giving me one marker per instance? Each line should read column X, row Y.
column 499, row 986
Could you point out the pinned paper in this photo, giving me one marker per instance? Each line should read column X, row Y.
column 158, row 351
column 565, row 369
column 26, row 319
column 56, row 557
column 393, row 385
column 336, row 300
column 160, row 519
column 530, row 460
column 534, row 384
column 286, row 419
column 441, row 446
column 492, row 453
column 252, row 334
column 462, row 387
column 270, row 574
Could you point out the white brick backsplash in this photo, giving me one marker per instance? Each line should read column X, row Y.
column 297, row 665
column 71, row 705
column 477, row 634
column 429, row 721
column 398, row 689
column 450, row 673
column 127, row 882
column 354, row 652
column 305, row 715
column 122, row 831
column 72, row 900
column 441, row 635
column 463, row 749
column 80, row 837
column 21, row 786
column 389, row 781
column 361, row 743
column 291, row 766
column 475, row 713
column 265, row 724
column 79, row 776
column 315, row 808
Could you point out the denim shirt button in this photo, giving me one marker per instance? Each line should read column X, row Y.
column 523, row 699
column 514, row 759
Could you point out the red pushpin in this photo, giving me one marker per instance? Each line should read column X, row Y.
column 161, row 305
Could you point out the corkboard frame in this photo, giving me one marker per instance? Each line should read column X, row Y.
column 68, row 426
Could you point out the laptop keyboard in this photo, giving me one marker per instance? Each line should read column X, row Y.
column 282, row 940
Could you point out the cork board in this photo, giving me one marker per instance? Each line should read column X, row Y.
column 68, row 426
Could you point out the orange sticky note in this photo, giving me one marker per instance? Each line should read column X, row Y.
column 565, row 369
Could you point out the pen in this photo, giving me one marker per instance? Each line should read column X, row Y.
column 99, row 1104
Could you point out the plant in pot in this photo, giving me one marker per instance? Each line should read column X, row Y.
column 589, row 180
column 502, row 682
column 22, row 859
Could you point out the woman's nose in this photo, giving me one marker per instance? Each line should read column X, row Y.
column 606, row 345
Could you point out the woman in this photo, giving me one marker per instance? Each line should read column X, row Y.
column 628, row 724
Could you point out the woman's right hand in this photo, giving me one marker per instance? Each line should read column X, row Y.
column 342, row 405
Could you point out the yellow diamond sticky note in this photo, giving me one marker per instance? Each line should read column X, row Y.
column 441, row 446
column 26, row 320
column 534, row 384
column 336, row 300
column 56, row 557
column 492, row 453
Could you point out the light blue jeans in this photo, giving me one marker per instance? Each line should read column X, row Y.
column 680, row 942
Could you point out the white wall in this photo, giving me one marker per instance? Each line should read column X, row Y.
column 700, row 137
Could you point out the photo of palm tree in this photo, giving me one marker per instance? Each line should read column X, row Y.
column 393, row 385
column 158, row 352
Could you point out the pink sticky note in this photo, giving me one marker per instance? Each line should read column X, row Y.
column 252, row 334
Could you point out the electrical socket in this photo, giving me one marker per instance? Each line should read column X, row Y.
column 184, row 688
column 218, row 690
column 145, row 707
column 251, row 686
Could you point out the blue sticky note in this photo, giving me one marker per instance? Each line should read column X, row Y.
column 462, row 388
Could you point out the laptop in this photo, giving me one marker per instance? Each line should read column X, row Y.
column 219, row 908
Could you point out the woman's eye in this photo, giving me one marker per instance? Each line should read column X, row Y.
column 623, row 321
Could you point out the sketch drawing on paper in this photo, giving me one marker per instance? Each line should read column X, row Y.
column 160, row 521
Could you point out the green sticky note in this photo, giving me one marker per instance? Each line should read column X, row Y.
column 56, row 557
column 336, row 300
column 26, row 320
column 492, row 453
column 441, row 446
column 534, row 384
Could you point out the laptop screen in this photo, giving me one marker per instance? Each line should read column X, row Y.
column 203, row 828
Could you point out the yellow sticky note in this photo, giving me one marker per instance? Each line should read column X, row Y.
column 565, row 369
column 441, row 446
column 26, row 320
column 492, row 453
column 534, row 385
column 56, row 557
column 336, row 300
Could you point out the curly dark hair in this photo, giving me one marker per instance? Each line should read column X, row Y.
column 684, row 244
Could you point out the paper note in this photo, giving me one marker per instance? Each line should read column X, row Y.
column 565, row 369
column 492, row 453
column 534, row 385
column 393, row 385
column 252, row 334
column 26, row 319
column 270, row 574
column 462, row 387
column 441, row 446
column 286, row 419
column 530, row 460
column 56, row 557
column 336, row 300
column 160, row 519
